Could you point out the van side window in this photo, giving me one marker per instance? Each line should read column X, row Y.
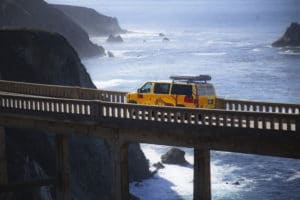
column 179, row 89
column 146, row 88
column 161, row 88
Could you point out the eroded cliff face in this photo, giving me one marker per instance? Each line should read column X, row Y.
column 38, row 14
column 91, row 21
column 42, row 57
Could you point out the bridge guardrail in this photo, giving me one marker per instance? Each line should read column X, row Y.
column 257, row 106
column 93, row 110
column 56, row 91
column 203, row 117
column 75, row 92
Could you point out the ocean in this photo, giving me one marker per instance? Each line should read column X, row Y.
column 229, row 40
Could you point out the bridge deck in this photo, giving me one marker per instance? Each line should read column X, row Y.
column 239, row 126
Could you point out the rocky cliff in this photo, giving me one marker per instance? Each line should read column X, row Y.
column 91, row 21
column 291, row 37
column 42, row 57
column 38, row 14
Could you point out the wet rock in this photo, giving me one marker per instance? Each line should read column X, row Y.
column 290, row 38
column 158, row 165
column 236, row 183
column 114, row 39
column 110, row 54
column 174, row 156
column 165, row 39
column 161, row 35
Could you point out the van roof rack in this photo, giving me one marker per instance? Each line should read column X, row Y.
column 192, row 79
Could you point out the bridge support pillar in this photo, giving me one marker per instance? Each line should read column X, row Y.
column 119, row 164
column 3, row 162
column 202, row 184
column 63, row 187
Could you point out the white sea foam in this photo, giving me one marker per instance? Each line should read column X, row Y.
column 256, row 50
column 293, row 177
column 290, row 52
column 176, row 181
column 209, row 53
column 112, row 83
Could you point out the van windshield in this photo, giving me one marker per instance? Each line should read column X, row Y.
column 206, row 90
column 179, row 89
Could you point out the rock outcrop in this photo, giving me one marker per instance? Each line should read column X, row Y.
column 114, row 39
column 174, row 156
column 42, row 57
column 291, row 37
column 38, row 14
column 91, row 21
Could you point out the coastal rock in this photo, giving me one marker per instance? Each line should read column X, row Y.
column 165, row 39
column 158, row 165
column 110, row 54
column 91, row 21
column 290, row 38
column 43, row 57
column 161, row 35
column 174, row 156
column 114, row 39
column 37, row 14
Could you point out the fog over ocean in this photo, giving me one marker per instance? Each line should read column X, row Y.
column 231, row 41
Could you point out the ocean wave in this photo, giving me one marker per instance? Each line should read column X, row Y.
column 290, row 52
column 294, row 177
column 229, row 43
column 209, row 53
column 256, row 50
column 112, row 83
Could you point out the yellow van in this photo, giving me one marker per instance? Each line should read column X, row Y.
column 183, row 91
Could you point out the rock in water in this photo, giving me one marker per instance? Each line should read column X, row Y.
column 110, row 54
column 291, row 37
column 165, row 39
column 174, row 156
column 161, row 35
column 114, row 39
column 158, row 165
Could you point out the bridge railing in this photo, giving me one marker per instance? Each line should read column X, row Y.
column 257, row 106
column 69, row 92
column 90, row 110
column 48, row 107
column 202, row 117
column 74, row 92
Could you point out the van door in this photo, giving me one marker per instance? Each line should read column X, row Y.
column 161, row 94
column 144, row 93
column 183, row 95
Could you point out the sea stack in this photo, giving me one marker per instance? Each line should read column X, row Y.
column 291, row 36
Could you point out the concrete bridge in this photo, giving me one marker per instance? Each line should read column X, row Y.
column 252, row 127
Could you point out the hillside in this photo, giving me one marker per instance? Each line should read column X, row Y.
column 38, row 14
